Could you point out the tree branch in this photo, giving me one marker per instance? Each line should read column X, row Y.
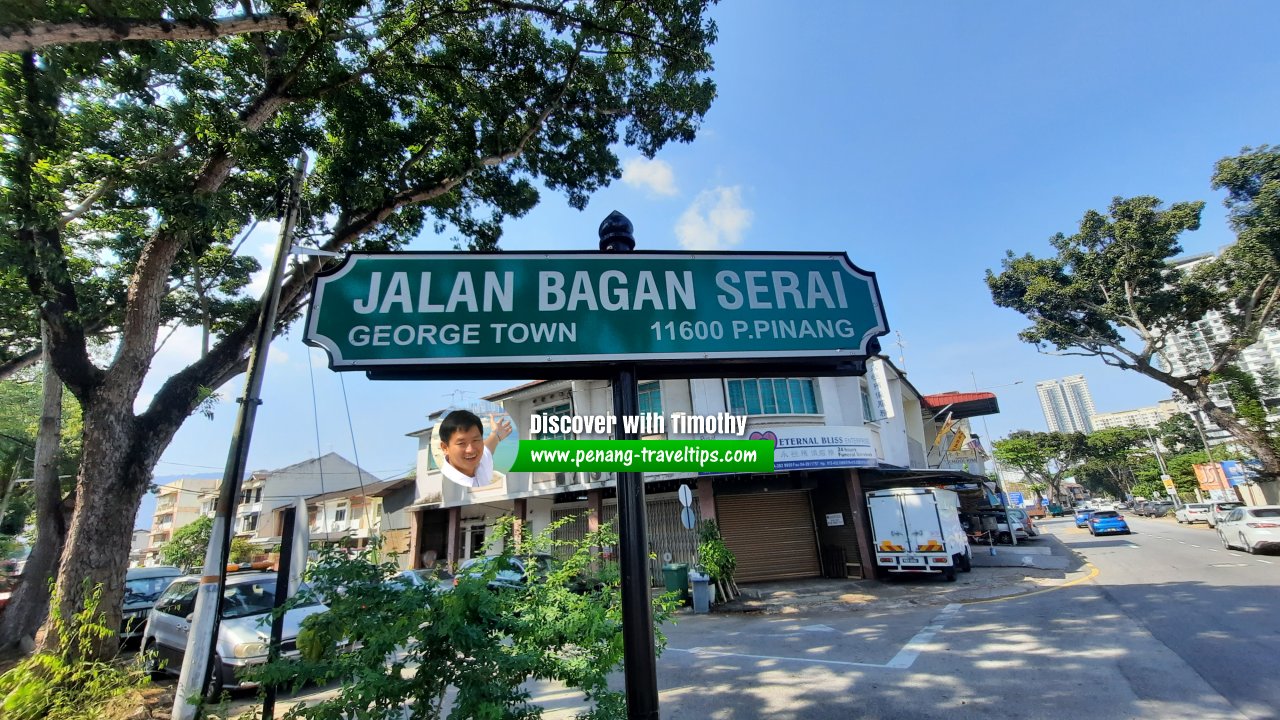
column 41, row 34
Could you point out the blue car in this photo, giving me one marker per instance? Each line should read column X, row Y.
column 1082, row 516
column 1102, row 522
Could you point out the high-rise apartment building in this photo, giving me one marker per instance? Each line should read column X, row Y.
column 1143, row 417
column 1067, row 404
column 1191, row 348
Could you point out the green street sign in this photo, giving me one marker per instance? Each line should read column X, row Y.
column 539, row 310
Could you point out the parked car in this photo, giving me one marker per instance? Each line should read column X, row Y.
column 1193, row 513
column 1082, row 516
column 1219, row 510
column 243, row 632
column 976, row 523
column 1022, row 516
column 1056, row 510
column 435, row 579
column 1103, row 522
column 1252, row 529
column 1156, row 509
column 142, row 587
column 510, row 572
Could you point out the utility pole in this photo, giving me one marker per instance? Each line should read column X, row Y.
column 202, row 638
column 1164, row 471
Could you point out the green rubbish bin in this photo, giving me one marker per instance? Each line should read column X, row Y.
column 676, row 579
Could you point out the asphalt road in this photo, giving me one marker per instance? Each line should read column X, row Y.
column 1215, row 608
column 1170, row 626
column 1166, row 624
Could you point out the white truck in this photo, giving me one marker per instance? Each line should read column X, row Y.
column 917, row 529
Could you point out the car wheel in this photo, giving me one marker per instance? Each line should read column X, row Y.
column 1091, row 532
column 150, row 660
column 1247, row 547
column 1226, row 545
column 213, row 692
column 966, row 562
column 1004, row 539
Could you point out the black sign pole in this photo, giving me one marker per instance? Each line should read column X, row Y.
column 639, row 656
column 283, row 568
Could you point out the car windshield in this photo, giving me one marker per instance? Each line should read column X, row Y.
column 146, row 589
column 1198, row 506
column 1229, row 506
column 1106, row 514
column 1266, row 513
column 249, row 598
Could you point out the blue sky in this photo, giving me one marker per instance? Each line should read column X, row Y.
column 923, row 139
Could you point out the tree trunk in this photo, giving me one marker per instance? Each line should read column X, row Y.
column 30, row 604
column 114, row 472
column 1259, row 443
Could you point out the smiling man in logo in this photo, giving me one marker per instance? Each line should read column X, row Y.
column 468, row 455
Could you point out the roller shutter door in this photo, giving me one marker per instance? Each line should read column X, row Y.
column 772, row 535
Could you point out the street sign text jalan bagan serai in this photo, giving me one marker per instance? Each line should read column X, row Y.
column 406, row 309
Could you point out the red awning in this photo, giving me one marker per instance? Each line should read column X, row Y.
column 962, row 404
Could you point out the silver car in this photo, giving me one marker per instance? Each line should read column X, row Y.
column 243, row 632
column 1252, row 529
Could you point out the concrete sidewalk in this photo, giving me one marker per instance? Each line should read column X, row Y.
column 1041, row 563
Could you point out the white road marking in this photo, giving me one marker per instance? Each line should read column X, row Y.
column 902, row 661
column 1195, row 546
column 909, row 652
column 1263, row 561
column 818, row 628
column 1211, row 549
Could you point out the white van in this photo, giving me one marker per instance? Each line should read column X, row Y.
column 917, row 529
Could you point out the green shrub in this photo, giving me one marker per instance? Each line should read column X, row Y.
column 714, row 556
column 485, row 642
column 63, row 686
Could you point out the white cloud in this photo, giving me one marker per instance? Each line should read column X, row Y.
column 654, row 175
column 715, row 221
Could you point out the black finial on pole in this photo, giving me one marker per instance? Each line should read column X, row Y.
column 617, row 233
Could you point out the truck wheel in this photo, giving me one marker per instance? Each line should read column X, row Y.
column 949, row 573
column 966, row 563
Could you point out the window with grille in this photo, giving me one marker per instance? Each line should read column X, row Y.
column 651, row 397
column 562, row 409
column 868, row 415
column 772, row 396
column 340, row 514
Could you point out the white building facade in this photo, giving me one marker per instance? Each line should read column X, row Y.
column 806, row 519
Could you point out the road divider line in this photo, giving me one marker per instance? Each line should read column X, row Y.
column 909, row 652
column 1263, row 561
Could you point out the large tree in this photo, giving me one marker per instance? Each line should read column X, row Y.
column 132, row 168
column 1109, row 456
column 1111, row 292
column 1046, row 458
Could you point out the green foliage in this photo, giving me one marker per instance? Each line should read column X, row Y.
column 1108, row 457
column 1043, row 457
column 62, row 686
column 1178, row 433
column 715, row 558
column 1110, row 291
column 187, row 546
column 484, row 641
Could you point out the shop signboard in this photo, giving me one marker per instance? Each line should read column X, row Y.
column 819, row 446
column 531, row 311
column 1235, row 472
